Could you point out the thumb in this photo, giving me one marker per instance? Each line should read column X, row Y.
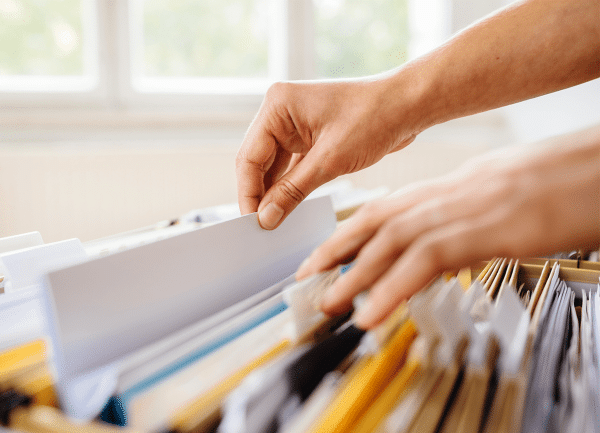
column 289, row 191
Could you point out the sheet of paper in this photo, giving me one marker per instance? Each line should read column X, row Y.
column 22, row 317
column 27, row 267
column 17, row 242
column 107, row 308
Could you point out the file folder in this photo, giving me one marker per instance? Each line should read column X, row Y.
column 105, row 310
column 17, row 242
column 175, row 369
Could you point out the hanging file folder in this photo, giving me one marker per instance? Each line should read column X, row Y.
column 105, row 310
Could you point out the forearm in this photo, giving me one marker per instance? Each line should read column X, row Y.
column 526, row 50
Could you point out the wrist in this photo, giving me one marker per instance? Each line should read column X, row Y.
column 404, row 95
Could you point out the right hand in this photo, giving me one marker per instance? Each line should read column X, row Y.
column 306, row 134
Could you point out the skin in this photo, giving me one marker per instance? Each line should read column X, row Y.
column 307, row 133
column 518, row 203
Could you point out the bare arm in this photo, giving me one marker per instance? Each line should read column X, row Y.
column 525, row 50
column 306, row 134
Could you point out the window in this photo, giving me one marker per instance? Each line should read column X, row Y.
column 47, row 46
column 193, row 53
column 201, row 46
column 356, row 37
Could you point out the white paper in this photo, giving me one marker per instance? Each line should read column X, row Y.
column 27, row 267
column 107, row 308
column 17, row 242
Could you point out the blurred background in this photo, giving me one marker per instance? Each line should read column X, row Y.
column 115, row 114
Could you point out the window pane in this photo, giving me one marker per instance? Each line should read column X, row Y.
column 41, row 37
column 359, row 37
column 208, row 38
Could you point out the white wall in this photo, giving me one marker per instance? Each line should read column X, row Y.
column 555, row 114
column 99, row 188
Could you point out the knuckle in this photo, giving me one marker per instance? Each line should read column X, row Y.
column 391, row 234
column 508, row 187
column 240, row 159
column 290, row 191
column 392, row 227
column 244, row 165
column 433, row 252
column 277, row 91
column 368, row 210
column 435, row 212
column 331, row 160
column 329, row 168
column 370, row 214
column 379, row 209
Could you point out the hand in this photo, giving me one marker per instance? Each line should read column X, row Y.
column 306, row 134
column 510, row 205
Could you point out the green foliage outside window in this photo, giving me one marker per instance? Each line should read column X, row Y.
column 359, row 37
column 41, row 37
column 207, row 38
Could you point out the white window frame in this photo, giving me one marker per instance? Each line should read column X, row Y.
column 116, row 93
column 63, row 91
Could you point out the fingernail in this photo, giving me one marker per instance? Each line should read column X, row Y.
column 303, row 266
column 364, row 313
column 330, row 296
column 328, row 299
column 270, row 216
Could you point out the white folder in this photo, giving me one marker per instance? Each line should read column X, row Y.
column 104, row 310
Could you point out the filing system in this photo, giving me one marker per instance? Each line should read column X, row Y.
column 204, row 329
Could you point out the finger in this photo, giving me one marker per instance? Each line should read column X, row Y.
column 344, row 243
column 294, row 161
column 291, row 189
column 453, row 246
column 351, row 236
column 392, row 238
column 372, row 261
column 376, row 256
column 255, row 157
column 280, row 165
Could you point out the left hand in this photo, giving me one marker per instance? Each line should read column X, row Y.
column 510, row 205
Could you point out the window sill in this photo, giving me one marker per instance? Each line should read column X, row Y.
column 46, row 125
